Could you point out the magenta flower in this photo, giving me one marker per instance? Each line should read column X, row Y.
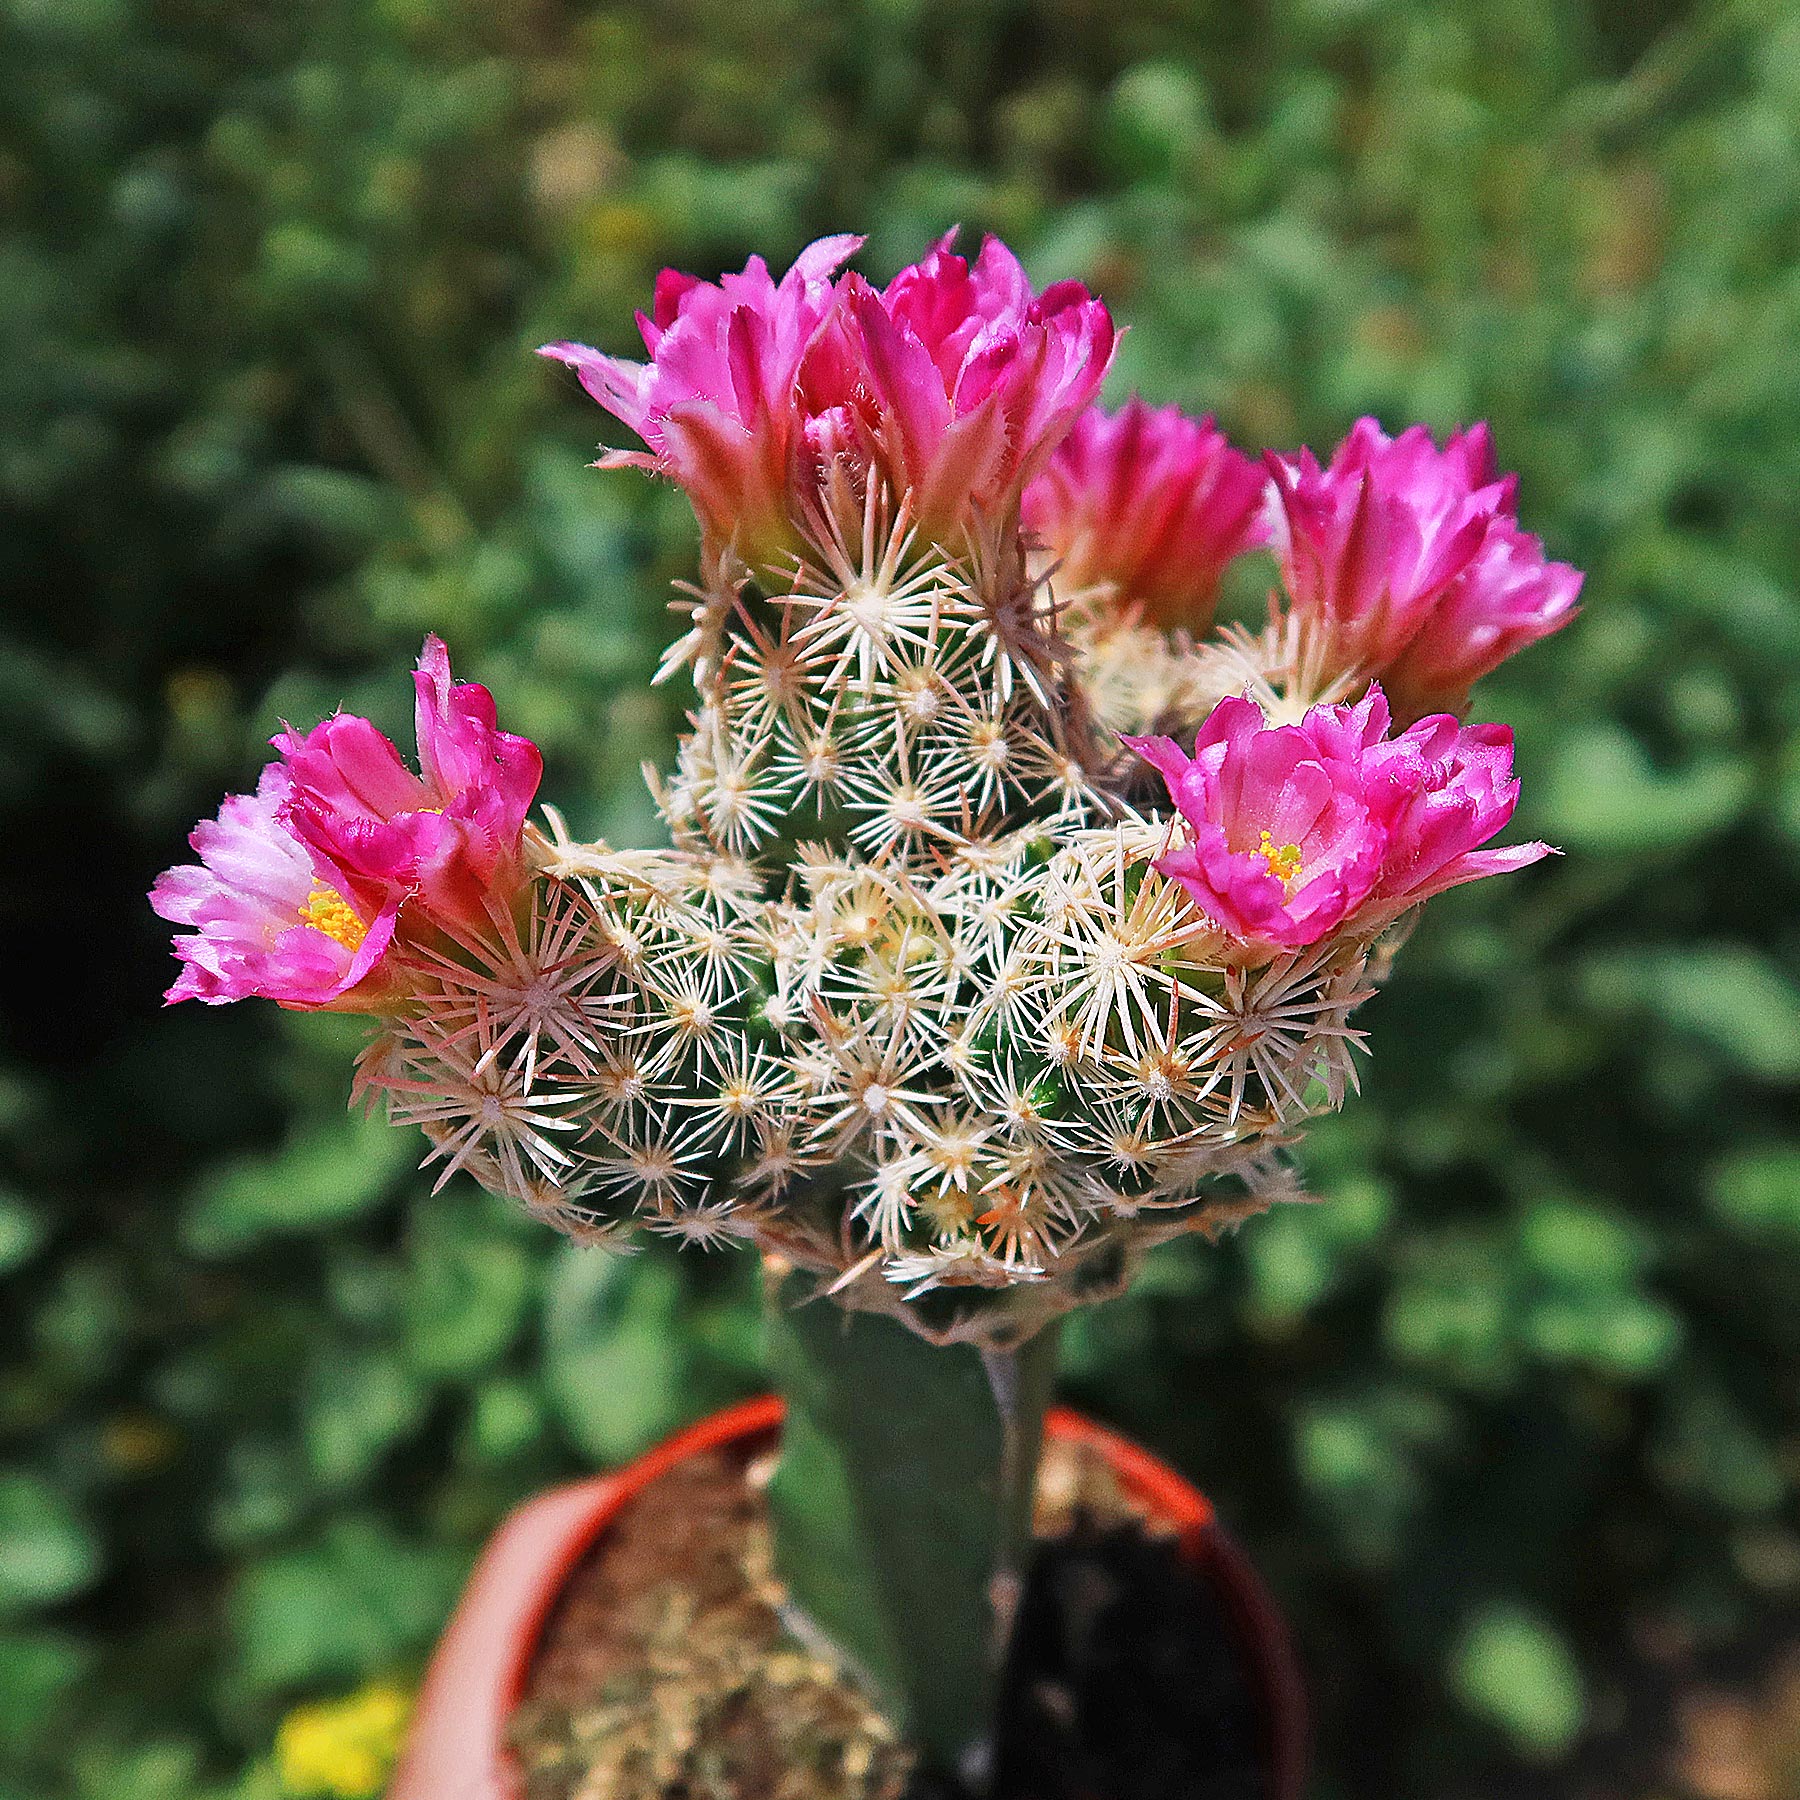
column 1441, row 790
column 448, row 837
column 716, row 403
column 1151, row 505
column 1299, row 831
column 303, row 887
column 952, row 384
column 264, row 923
column 1406, row 562
column 1283, row 842
column 957, row 381
column 1508, row 598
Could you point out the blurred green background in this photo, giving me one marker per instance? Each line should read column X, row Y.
column 1513, row 1423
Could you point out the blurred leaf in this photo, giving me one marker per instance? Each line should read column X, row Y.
column 1156, row 119
column 1452, row 1308
column 614, row 1362
column 362, row 1598
column 507, row 1418
column 1709, row 1446
column 47, row 1551
column 1362, row 1459
column 21, row 1231
column 469, row 1279
column 156, row 1771
column 1601, row 797
column 357, row 1406
column 38, row 1671
column 1580, row 1246
column 1737, row 1000
column 1623, row 1333
column 1290, row 1263
column 1727, row 995
column 1514, row 1669
column 1758, row 1188
column 328, row 1173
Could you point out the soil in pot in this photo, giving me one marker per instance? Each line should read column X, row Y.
column 665, row 1672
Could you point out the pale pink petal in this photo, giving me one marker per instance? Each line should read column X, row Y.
column 248, row 900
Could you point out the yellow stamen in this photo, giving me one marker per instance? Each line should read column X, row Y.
column 328, row 911
column 1284, row 864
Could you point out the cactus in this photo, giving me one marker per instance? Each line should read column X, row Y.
column 959, row 984
column 906, row 1003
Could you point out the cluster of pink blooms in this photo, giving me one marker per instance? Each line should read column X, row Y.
column 953, row 384
column 304, row 888
column 961, row 390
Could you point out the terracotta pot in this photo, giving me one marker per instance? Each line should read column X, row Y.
column 456, row 1749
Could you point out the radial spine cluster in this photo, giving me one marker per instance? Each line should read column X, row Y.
column 906, row 1002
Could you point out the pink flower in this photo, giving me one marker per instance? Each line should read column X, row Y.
column 1299, row 831
column 1151, row 505
column 957, row 381
column 265, row 924
column 1406, row 562
column 1442, row 790
column 1508, row 598
column 303, row 887
column 1283, row 841
column 952, row 384
column 716, row 402
column 449, row 836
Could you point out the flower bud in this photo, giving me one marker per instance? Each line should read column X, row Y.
column 1143, row 509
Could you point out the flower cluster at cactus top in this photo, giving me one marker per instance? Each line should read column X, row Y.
column 302, row 886
column 938, row 992
column 949, row 386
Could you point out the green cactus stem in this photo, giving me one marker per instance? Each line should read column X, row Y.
column 902, row 1508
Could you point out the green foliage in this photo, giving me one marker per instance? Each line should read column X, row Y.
column 614, row 1354
column 46, row 1552
column 1529, row 1378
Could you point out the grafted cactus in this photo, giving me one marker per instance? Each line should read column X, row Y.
column 960, row 982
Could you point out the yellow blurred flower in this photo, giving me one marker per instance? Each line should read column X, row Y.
column 343, row 1749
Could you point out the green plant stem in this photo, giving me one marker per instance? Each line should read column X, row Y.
column 901, row 1507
